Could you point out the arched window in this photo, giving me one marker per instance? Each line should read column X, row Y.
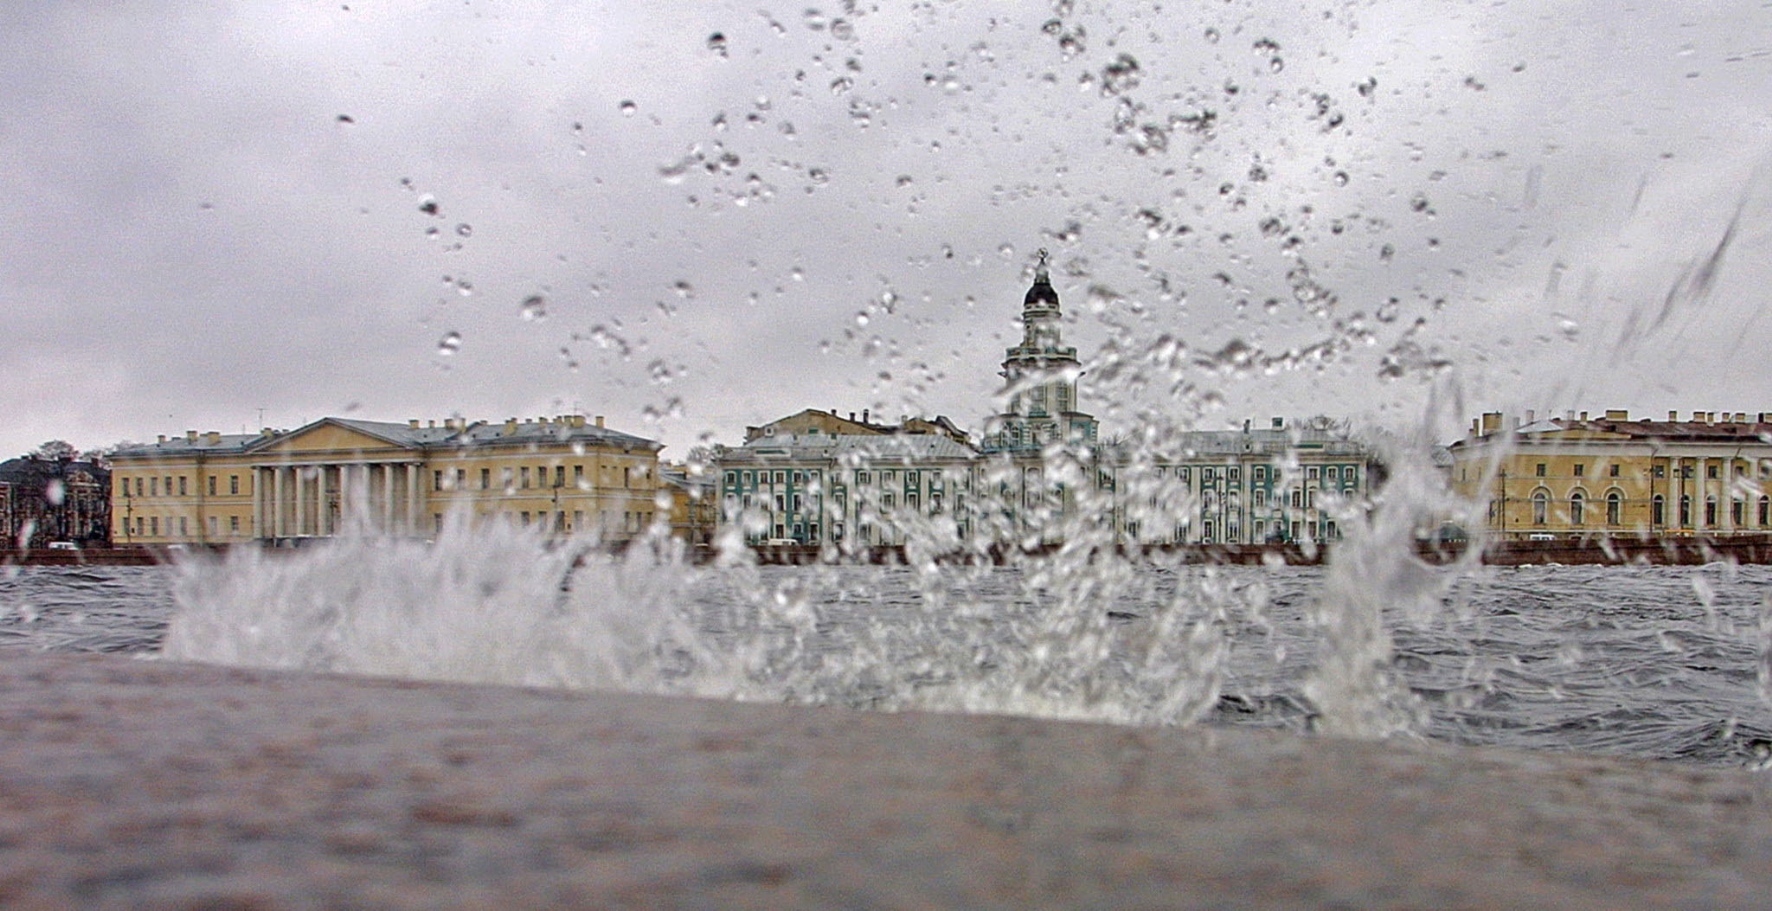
column 1737, row 511
column 1765, row 511
column 1614, row 507
column 1540, row 507
column 1658, row 510
column 1686, row 510
column 1710, row 511
column 1577, row 508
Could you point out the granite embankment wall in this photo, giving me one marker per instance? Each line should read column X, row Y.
column 138, row 784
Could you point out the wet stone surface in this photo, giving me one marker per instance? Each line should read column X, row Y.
column 127, row 783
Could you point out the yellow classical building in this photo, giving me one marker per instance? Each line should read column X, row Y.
column 565, row 474
column 1575, row 476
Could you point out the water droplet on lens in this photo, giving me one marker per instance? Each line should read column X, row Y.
column 1212, row 36
column 464, row 229
column 1341, row 178
column 450, row 344
column 717, row 43
column 684, row 289
column 534, row 307
column 628, row 108
column 1007, row 251
column 1276, row 64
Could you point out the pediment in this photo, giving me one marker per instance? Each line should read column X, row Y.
column 325, row 438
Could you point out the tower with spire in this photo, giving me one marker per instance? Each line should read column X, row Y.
column 1040, row 379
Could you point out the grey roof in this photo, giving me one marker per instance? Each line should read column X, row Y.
column 402, row 434
column 916, row 446
column 182, row 445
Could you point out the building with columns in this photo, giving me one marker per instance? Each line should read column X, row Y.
column 1614, row 475
column 1040, row 473
column 336, row 474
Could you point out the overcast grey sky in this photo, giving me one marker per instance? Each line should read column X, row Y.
column 206, row 212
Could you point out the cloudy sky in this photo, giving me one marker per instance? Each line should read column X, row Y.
column 227, row 216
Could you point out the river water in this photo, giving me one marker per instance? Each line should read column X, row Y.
column 1652, row 662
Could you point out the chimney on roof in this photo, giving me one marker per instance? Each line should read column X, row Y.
column 1491, row 422
column 1279, row 423
column 213, row 437
column 1617, row 414
column 1740, row 417
column 190, row 436
column 1672, row 416
column 851, row 416
column 431, row 424
column 1531, row 416
column 599, row 420
column 1698, row 417
column 864, row 415
column 510, row 426
column 163, row 438
column 1584, row 417
column 412, row 423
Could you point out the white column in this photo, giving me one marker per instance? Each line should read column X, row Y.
column 276, row 502
column 322, row 515
column 387, row 493
column 412, row 512
column 1701, row 489
column 1726, row 496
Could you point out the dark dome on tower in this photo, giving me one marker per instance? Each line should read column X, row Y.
column 1041, row 292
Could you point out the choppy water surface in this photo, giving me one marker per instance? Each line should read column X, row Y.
column 1660, row 662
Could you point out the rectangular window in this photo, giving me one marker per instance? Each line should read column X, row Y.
column 559, row 476
column 461, row 479
column 234, row 484
column 523, row 481
column 1332, row 473
column 578, row 519
column 485, row 479
column 1580, row 469
column 1311, row 472
column 234, row 524
column 1612, row 470
column 505, row 475
column 578, row 477
column 1710, row 471
column 212, row 485
column 1183, row 474
column 436, row 480
column 861, row 477
column 214, row 524
column 154, row 525
column 153, row 487
column 1540, row 469
column 525, row 513
column 181, row 481
column 1236, row 474
column 1206, row 476
column 1661, row 471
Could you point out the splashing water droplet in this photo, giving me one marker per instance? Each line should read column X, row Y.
column 449, row 344
column 533, row 308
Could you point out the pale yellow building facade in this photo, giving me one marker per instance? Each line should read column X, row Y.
column 565, row 474
column 1575, row 476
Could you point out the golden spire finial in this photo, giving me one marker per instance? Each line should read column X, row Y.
column 1040, row 268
